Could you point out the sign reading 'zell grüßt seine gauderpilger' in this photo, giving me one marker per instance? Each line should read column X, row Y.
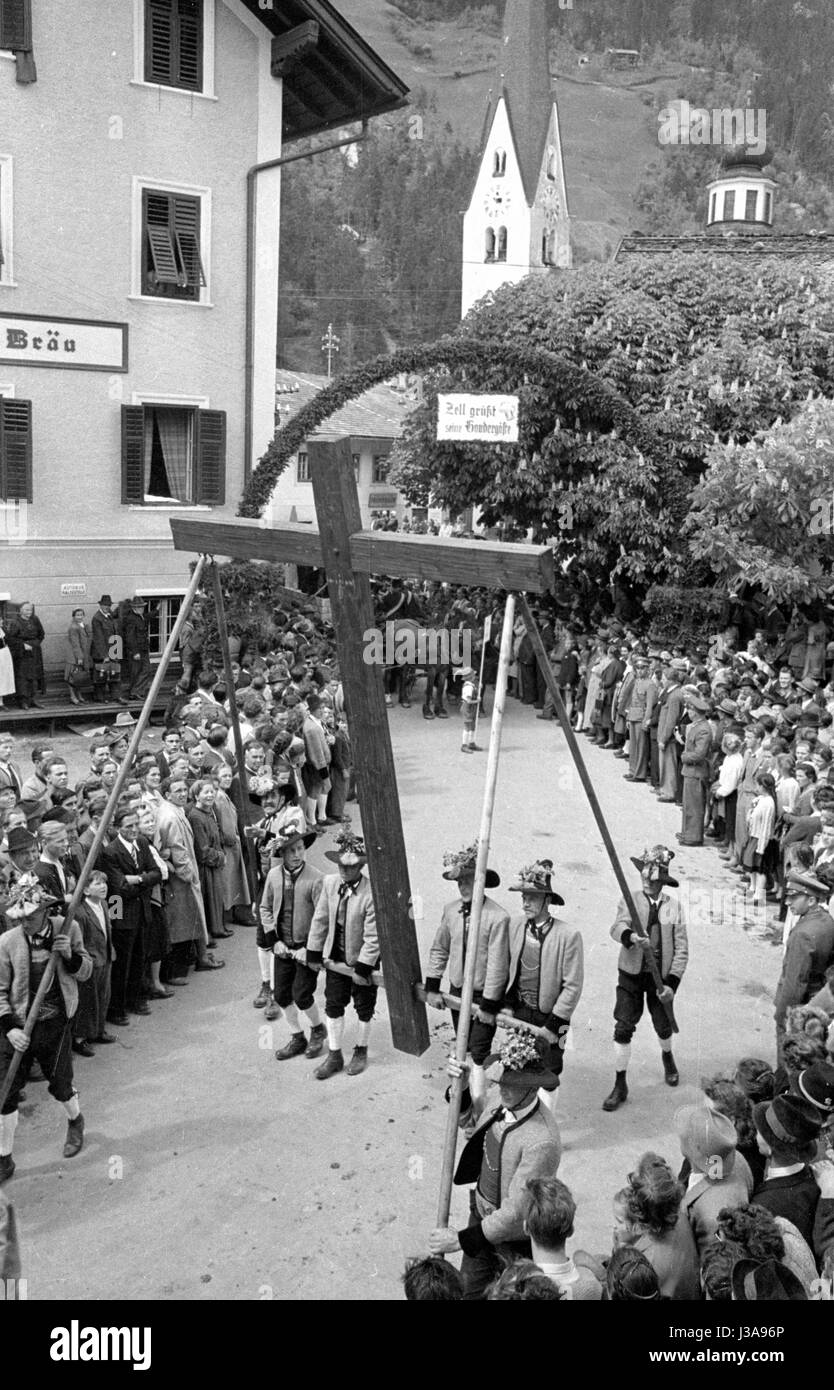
column 472, row 417
column 34, row 340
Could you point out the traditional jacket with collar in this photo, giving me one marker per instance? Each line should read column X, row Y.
column 529, row 1148
column 14, row 974
column 447, row 947
column 307, row 891
column 361, row 940
column 670, row 702
column 808, row 954
column 674, row 944
column 97, row 942
column 696, row 750
column 316, row 747
column 706, row 1198
column 561, row 968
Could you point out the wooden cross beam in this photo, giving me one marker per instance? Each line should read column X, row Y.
column 349, row 556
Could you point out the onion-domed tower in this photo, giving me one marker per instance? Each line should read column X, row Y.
column 741, row 197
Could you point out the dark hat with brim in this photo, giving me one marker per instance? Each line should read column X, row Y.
column 789, row 1122
column 816, row 1084
column 659, row 857
column 665, row 877
column 766, row 1281
column 536, row 879
column 33, row 810
column 20, row 838
column 105, row 601
column 522, row 1059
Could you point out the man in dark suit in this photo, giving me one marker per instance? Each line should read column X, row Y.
column 136, row 658
column 52, row 868
column 103, row 650
column 787, row 1129
column 131, row 875
column 171, row 749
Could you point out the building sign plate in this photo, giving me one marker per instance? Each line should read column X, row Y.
column 35, row 340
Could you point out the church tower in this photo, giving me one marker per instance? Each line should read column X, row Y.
column 517, row 221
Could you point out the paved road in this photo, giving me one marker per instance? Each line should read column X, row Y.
column 212, row 1171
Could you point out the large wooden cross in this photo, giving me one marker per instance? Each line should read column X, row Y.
column 349, row 555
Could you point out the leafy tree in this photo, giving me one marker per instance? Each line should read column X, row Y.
column 703, row 348
column 763, row 512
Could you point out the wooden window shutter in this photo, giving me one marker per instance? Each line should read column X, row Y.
column 174, row 43
column 159, row 40
column 190, row 48
column 133, row 453
column 15, row 450
column 210, row 458
column 16, row 24
column 160, row 239
column 187, row 236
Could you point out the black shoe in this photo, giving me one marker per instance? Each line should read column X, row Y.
column 333, row 1062
column 358, row 1061
column 141, row 1009
column 82, row 1047
column 427, row 713
column 619, row 1094
column 670, row 1071
column 105, row 1038
column 262, row 997
column 440, row 712
column 6, row 1167
column 119, row 1020
column 75, row 1137
column 318, row 1037
column 296, row 1047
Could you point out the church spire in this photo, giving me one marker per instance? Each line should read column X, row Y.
column 524, row 73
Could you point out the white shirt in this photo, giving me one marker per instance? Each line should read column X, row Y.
column 786, row 1172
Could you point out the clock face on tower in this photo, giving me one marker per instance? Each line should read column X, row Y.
column 550, row 203
column 497, row 201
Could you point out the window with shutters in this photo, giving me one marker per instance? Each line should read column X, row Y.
column 174, row 43
column 302, row 471
column 15, row 450
column 173, row 455
column 6, row 223
column 381, row 468
column 172, row 265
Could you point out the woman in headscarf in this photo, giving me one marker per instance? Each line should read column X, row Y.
column 25, row 636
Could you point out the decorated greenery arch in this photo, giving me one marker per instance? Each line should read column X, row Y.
column 578, row 390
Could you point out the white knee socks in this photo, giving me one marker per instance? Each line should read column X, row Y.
column 291, row 1015
column 265, row 959
column 622, row 1055
column 665, row 1044
column 72, row 1107
column 335, row 1033
column 362, row 1034
column 321, row 806
column 8, row 1125
column 313, row 1016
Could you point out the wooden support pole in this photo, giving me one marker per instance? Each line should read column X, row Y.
column 240, row 783
column 450, row 1000
column 337, row 509
column 584, row 777
column 444, row 1200
column 123, row 775
column 494, row 564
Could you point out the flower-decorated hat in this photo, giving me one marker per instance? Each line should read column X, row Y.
column 28, row 896
column 290, row 835
column 461, row 862
column 535, row 878
column 350, row 849
column 657, row 860
column 521, row 1058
